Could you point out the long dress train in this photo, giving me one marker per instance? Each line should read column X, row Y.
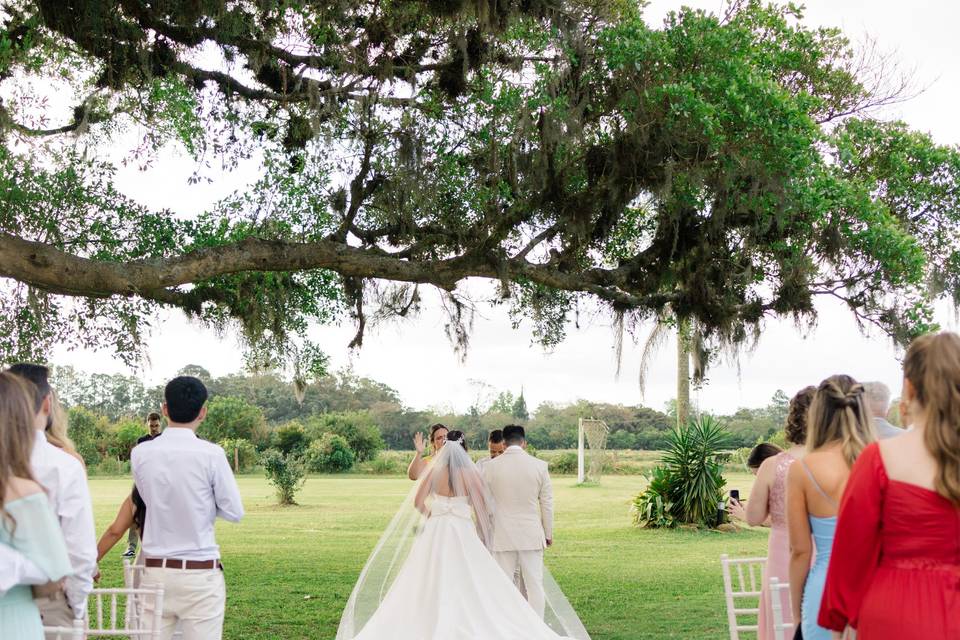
column 451, row 588
column 434, row 578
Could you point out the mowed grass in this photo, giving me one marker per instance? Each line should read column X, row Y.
column 290, row 570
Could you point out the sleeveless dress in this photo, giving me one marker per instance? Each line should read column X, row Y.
column 822, row 530
column 451, row 588
column 37, row 536
column 896, row 570
column 778, row 548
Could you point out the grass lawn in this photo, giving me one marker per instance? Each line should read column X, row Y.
column 290, row 570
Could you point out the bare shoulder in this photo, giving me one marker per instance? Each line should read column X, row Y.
column 795, row 474
column 768, row 467
column 824, row 459
column 905, row 458
column 21, row 488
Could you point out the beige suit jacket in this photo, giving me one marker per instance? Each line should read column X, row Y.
column 520, row 485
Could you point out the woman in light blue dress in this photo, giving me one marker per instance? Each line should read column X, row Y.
column 838, row 429
column 27, row 523
column 822, row 530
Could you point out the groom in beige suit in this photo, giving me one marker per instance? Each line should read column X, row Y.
column 523, row 520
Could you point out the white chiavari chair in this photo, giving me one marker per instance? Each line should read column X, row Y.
column 780, row 593
column 65, row 633
column 742, row 581
column 105, row 620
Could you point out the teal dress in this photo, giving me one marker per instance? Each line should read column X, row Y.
column 37, row 536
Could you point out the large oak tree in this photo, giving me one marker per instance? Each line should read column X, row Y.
column 716, row 169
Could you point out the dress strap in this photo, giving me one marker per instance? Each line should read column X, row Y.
column 815, row 483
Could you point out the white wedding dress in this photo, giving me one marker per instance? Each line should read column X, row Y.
column 444, row 584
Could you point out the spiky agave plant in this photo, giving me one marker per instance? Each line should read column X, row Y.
column 694, row 463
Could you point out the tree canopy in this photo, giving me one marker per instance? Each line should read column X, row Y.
column 727, row 167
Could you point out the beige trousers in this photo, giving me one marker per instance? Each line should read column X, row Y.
column 530, row 564
column 195, row 598
column 55, row 612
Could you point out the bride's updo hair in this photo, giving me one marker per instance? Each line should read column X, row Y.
column 459, row 438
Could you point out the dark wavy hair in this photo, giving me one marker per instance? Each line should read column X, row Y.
column 458, row 437
column 760, row 453
column 796, row 427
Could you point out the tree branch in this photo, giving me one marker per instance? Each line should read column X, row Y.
column 55, row 271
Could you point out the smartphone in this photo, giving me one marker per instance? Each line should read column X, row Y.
column 735, row 494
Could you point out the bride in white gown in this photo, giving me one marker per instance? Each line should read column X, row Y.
column 431, row 577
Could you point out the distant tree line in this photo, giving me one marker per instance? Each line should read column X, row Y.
column 259, row 412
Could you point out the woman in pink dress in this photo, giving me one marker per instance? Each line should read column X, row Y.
column 768, row 502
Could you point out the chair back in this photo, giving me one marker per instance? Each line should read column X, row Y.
column 104, row 619
column 742, row 581
column 780, row 591
column 65, row 633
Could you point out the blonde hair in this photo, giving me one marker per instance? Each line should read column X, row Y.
column 932, row 366
column 16, row 435
column 838, row 413
column 56, row 430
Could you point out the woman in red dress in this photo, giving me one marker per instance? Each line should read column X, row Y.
column 895, row 568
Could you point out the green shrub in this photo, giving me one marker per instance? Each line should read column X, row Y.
column 285, row 473
column 89, row 433
column 330, row 454
column 357, row 427
column 564, row 463
column 291, row 439
column 687, row 487
column 229, row 417
column 652, row 507
column 123, row 438
column 110, row 467
column 383, row 466
column 240, row 451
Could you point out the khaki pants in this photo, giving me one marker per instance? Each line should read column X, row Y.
column 55, row 611
column 195, row 598
column 530, row 564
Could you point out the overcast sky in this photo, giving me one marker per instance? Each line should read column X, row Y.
column 416, row 359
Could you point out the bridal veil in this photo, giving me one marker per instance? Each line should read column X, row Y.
column 451, row 474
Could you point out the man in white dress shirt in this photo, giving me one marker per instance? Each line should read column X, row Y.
column 523, row 520
column 65, row 481
column 185, row 483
